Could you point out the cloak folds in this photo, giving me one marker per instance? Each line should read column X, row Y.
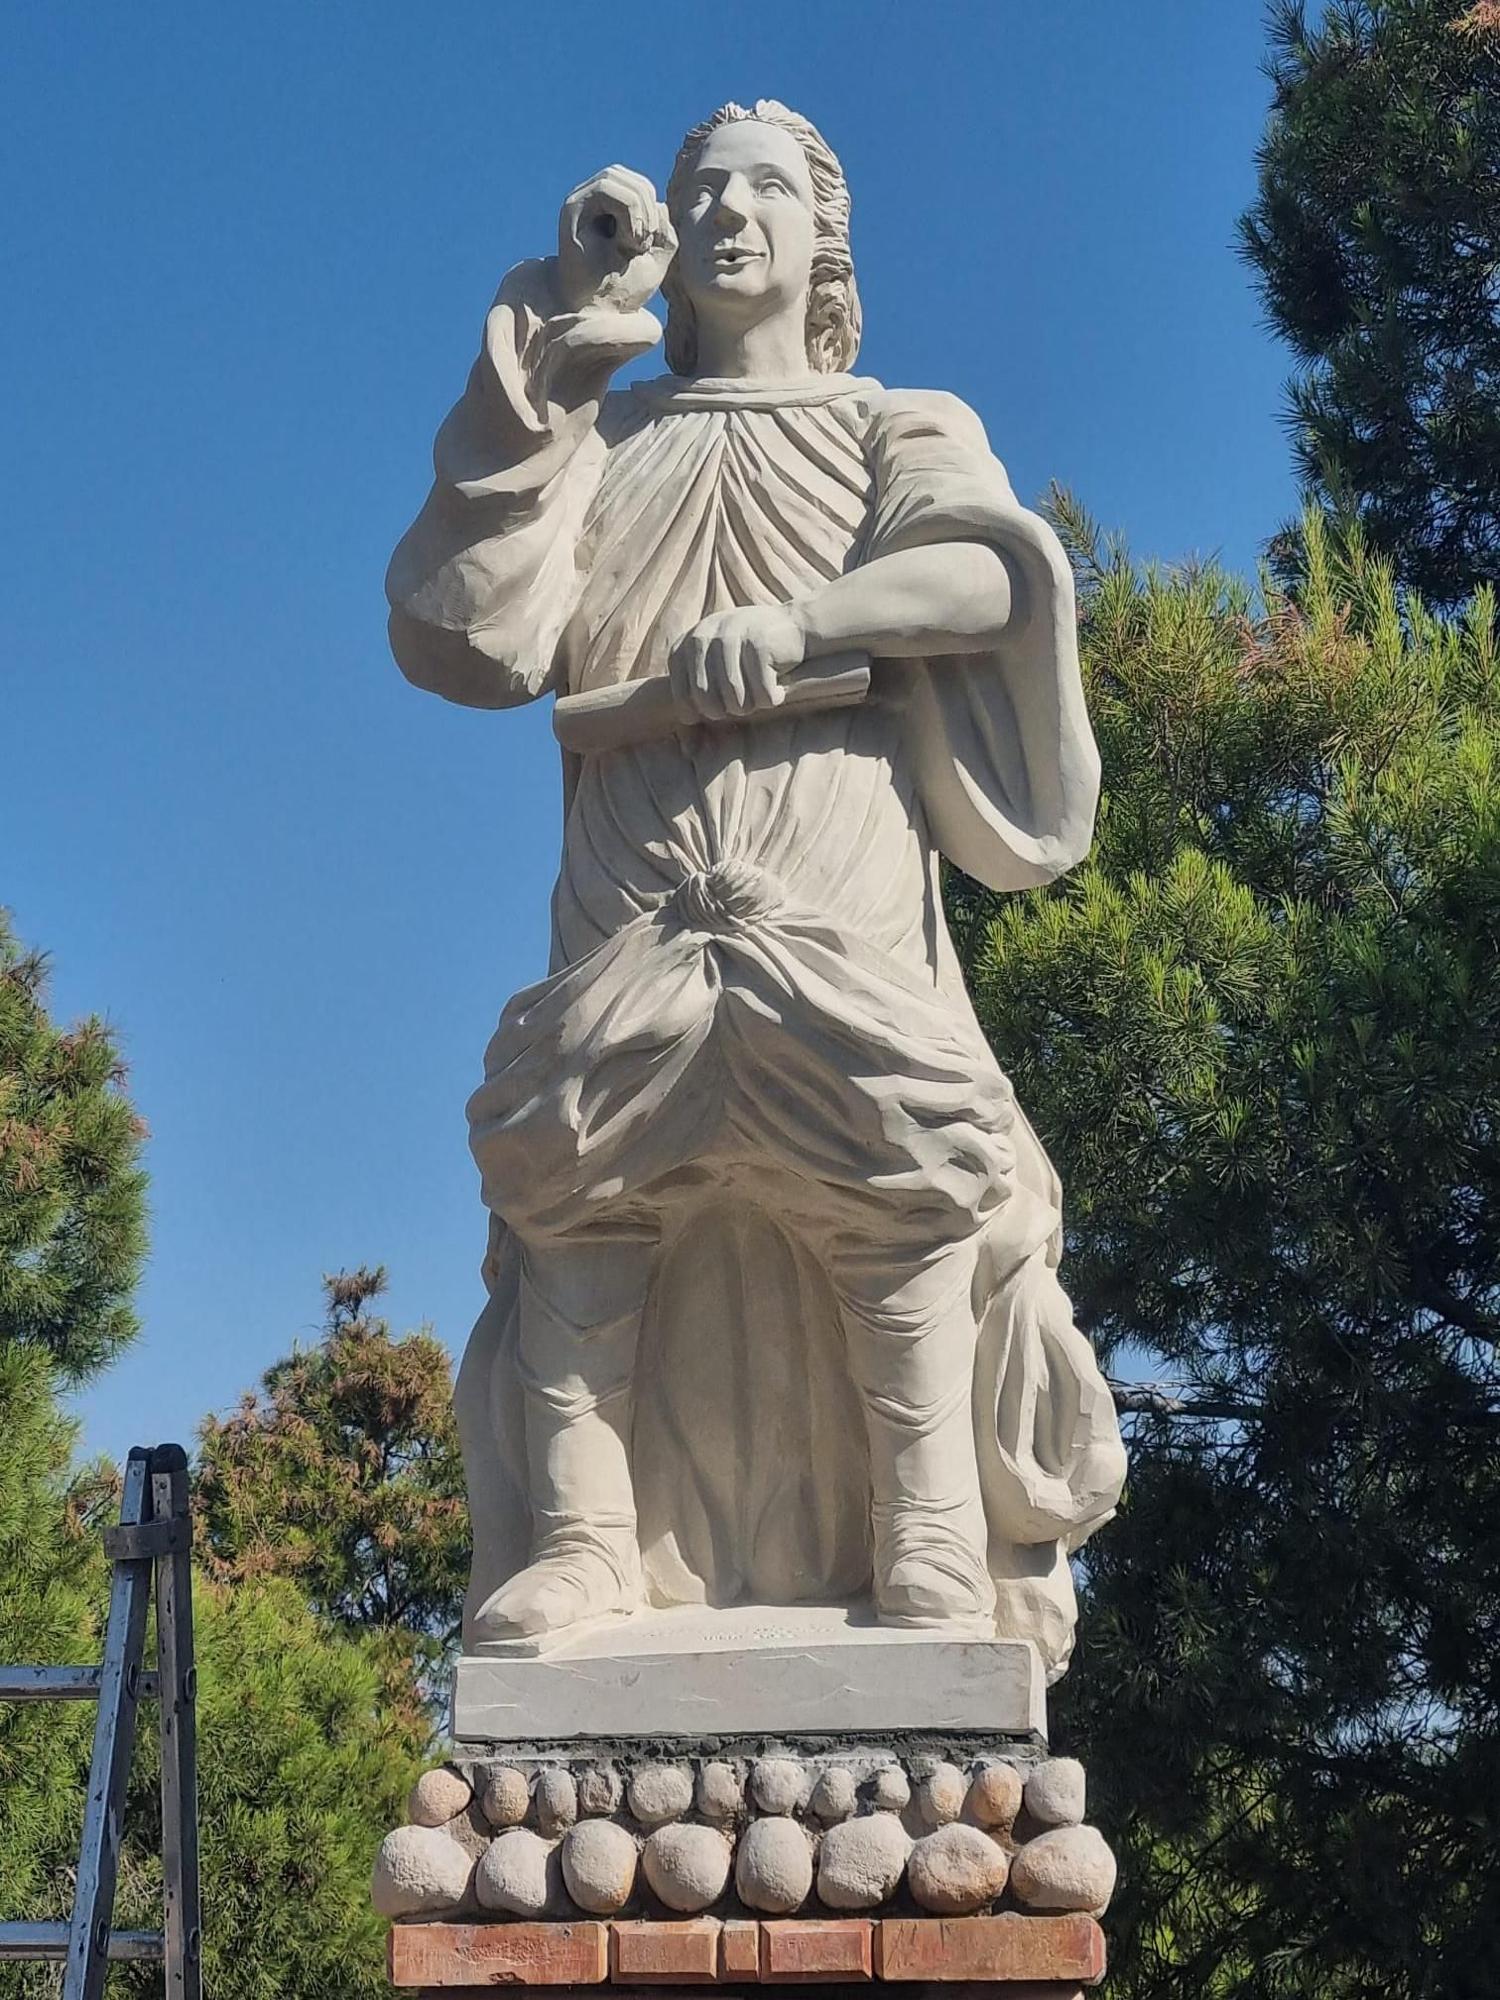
column 754, row 1017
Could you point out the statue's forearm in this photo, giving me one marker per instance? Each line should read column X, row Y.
column 954, row 597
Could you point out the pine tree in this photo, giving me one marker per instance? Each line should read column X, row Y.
column 1376, row 239
column 309, row 1735
column 345, row 1476
column 309, row 1739
column 1260, row 1033
column 72, row 1194
column 308, row 1747
column 53, row 1583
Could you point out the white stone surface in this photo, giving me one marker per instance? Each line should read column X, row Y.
column 956, row 1871
column 890, row 1790
column 687, row 1866
column 994, row 1796
column 773, row 1867
column 556, row 1801
column 862, row 1681
column 519, row 1874
column 507, row 1797
column 599, row 1862
column 720, row 1792
column 659, row 1792
column 860, row 1861
column 1070, row 1868
column 941, row 1794
column 777, row 1784
column 600, row 1789
column 749, row 895
column 437, row 1797
column 1056, row 1792
column 420, row 1871
column 834, row 1796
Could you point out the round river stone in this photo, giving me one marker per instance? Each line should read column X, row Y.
column 687, row 1866
column 957, row 1870
column 598, row 1864
column 437, row 1797
column 518, row 1872
column 861, row 1861
column 773, row 1869
column 1070, row 1868
column 420, row 1871
column 659, row 1792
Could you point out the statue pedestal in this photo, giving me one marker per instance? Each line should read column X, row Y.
column 693, row 1675
column 749, row 1797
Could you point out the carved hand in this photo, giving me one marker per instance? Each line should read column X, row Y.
column 614, row 242
column 732, row 663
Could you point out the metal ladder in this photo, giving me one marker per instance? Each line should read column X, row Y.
column 154, row 1532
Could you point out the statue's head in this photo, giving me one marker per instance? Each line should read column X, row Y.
column 761, row 210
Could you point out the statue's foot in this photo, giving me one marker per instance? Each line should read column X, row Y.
column 931, row 1577
column 572, row 1582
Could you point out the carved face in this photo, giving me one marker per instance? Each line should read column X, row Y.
column 745, row 228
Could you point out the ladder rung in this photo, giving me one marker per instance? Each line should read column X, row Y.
column 51, row 1941
column 60, row 1684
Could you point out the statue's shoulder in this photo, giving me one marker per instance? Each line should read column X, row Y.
column 621, row 415
column 906, row 416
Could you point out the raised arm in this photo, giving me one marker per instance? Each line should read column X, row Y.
column 483, row 582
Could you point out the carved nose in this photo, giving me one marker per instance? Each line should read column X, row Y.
column 733, row 203
column 730, row 896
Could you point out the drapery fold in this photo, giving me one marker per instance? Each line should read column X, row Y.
column 1005, row 758
column 725, row 1076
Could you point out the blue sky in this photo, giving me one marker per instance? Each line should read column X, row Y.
column 249, row 250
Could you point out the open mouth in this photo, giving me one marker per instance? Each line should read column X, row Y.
column 734, row 257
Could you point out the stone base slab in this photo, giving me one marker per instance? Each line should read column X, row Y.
column 693, row 1676
column 1007, row 1956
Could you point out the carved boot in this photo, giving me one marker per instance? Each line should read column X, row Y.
column 929, row 1526
column 580, row 1305
column 578, row 1574
column 585, row 1559
column 929, row 1571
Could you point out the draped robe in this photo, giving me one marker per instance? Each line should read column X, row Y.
column 754, row 1021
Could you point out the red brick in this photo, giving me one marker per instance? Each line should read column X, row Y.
column 499, row 1954
column 816, row 1948
column 614, row 1992
column 960, row 1990
column 654, row 1993
column 963, row 1989
column 1068, row 1950
column 739, row 1951
column 975, row 1989
column 667, row 1954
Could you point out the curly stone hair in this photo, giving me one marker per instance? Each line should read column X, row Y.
column 833, row 313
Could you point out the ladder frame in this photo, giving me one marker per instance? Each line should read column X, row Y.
column 152, row 1542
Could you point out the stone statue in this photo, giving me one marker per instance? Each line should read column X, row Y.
column 773, row 1312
